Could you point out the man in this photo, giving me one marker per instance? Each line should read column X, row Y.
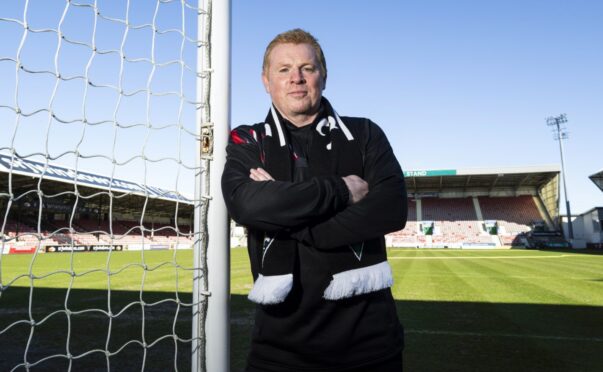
column 317, row 192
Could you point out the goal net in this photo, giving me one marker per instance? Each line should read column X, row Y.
column 107, row 183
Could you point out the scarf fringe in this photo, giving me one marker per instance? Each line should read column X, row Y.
column 270, row 290
column 360, row 281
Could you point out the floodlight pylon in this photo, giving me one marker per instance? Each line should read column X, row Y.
column 559, row 134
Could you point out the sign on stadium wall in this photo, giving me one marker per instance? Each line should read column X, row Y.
column 430, row 173
column 140, row 247
column 54, row 172
column 183, row 246
column 159, row 246
column 22, row 249
column 82, row 248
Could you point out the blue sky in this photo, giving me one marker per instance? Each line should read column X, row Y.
column 454, row 84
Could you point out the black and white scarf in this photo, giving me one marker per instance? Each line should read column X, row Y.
column 356, row 269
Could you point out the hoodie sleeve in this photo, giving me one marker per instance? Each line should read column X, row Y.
column 274, row 206
column 383, row 210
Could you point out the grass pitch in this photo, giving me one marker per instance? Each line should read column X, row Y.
column 482, row 310
column 151, row 285
column 470, row 310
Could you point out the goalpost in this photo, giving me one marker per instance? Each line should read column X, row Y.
column 114, row 119
column 216, row 313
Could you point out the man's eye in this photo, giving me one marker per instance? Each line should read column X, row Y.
column 283, row 70
column 309, row 69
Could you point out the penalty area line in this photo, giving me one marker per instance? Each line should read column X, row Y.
column 509, row 335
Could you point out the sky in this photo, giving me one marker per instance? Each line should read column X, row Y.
column 454, row 84
column 121, row 103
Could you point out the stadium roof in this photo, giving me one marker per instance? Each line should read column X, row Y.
column 480, row 178
column 62, row 174
column 597, row 178
column 26, row 174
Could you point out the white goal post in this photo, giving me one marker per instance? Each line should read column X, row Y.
column 215, row 60
column 114, row 121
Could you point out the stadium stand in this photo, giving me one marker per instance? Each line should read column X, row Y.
column 409, row 235
column 513, row 214
column 67, row 223
column 482, row 208
column 456, row 221
column 450, row 208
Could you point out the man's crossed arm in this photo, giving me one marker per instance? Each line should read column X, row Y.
column 325, row 212
column 357, row 187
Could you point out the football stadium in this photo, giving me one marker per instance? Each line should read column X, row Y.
column 117, row 252
column 482, row 250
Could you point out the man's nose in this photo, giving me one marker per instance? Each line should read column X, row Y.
column 297, row 76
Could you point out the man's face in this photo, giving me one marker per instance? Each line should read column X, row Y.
column 294, row 81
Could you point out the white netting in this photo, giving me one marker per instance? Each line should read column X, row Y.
column 98, row 153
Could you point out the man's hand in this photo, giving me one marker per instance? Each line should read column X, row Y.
column 357, row 186
column 259, row 174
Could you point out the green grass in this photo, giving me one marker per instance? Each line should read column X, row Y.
column 51, row 286
column 482, row 310
column 470, row 310
column 53, row 270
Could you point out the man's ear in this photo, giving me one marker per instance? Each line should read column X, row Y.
column 266, row 83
